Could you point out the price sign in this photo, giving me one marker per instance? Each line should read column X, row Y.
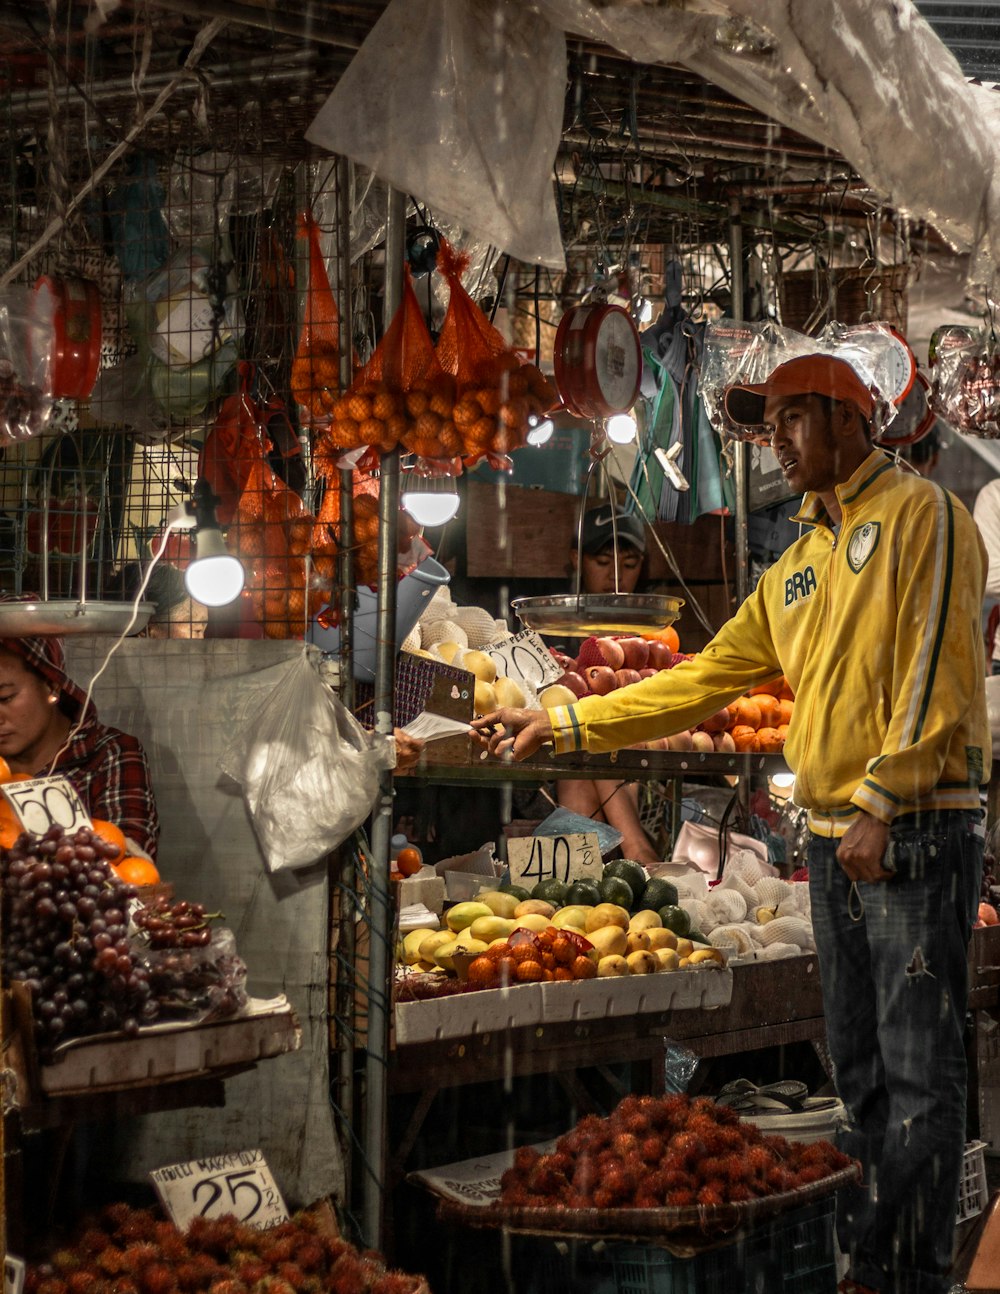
column 525, row 658
column 576, row 857
column 13, row 1274
column 240, row 1184
column 45, row 802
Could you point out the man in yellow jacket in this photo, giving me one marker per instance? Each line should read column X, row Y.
column 873, row 616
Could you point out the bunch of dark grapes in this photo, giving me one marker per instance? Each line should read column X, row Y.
column 175, row 925
column 65, row 933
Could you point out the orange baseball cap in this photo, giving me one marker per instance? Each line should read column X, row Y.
column 806, row 375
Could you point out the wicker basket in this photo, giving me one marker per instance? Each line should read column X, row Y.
column 805, row 296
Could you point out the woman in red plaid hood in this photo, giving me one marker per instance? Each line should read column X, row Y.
column 44, row 730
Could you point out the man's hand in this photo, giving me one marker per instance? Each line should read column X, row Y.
column 408, row 750
column 862, row 849
column 514, row 733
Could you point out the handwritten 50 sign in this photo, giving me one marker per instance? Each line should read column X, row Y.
column 45, row 802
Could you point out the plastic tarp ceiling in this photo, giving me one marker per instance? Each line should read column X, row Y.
column 455, row 101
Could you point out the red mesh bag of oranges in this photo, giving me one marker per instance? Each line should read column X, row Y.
column 401, row 396
column 315, row 377
column 496, row 394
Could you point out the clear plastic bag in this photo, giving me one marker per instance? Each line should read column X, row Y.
column 309, row 771
column 198, row 984
column 460, row 102
column 26, row 345
column 965, row 380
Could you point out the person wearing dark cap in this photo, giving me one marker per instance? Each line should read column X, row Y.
column 873, row 615
column 46, row 727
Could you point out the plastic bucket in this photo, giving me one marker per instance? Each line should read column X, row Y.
column 413, row 592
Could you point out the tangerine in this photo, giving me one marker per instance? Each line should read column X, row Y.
column 770, row 710
column 745, row 738
column 768, row 689
column 5, row 773
column 785, row 708
column 668, row 636
column 112, row 835
column 136, row 871
column 746, row 713
column 770, row 740
column 409, row 861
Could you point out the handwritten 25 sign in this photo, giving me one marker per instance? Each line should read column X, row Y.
column 239, row 1184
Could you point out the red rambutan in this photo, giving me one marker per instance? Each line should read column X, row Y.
column 625, row 1145
column 93, row 1241
column 680, row 1198
column 124, row 1285
column 646, row 1199
column 280, row 1250
column 52, row 1285
column 638, row 1125
column 759, row 1159
column 111, row 1261
column 189, row 1276
column 115, row 1215
column 81, row 1282
column 292, row 1273
column 525, row 1158
column 136, row 1255
column 626, row 1108
column 686, row 1147
column 544, row 1179
column 227, row 1286
column 810, row 1173
column 250, row 1271
column 394, row 1283
column 602, row 1198
column 157, row 1278
column 651, row 1150
column 739, row 1192
column 711, row 1196
column 309, row 1255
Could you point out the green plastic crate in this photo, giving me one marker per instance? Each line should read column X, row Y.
column 791, row 1254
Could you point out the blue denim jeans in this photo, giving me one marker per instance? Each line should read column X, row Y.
column 895, row 986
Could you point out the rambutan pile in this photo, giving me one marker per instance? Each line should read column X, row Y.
column 664, row 1152
column 133, row 1251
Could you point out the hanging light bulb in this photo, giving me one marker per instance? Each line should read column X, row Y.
column 621, row 428
column 430, row 500
column 215, row 577
column 540, row 429
column 784, row 780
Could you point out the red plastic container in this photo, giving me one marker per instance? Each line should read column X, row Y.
column 597, row 360
column 76, row 356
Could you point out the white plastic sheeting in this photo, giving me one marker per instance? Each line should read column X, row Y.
column 460, row 102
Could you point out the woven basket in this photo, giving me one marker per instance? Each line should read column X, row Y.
column 805, row 297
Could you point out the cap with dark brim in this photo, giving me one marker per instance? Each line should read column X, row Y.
column 806, row 375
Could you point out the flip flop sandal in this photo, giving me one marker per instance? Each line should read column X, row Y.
column 741, row 1094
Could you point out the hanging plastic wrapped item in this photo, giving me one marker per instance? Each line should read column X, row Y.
column 460, row 102
column 134, row 211
column 27, row 339
column 497, row 395
column 746, row 354
column 965, row 379
column 309, row 771
column 201, row 191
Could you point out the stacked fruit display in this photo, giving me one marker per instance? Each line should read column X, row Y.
column 626, row 924
column 655, row 1152
column 132, row 1251
column 66, row 934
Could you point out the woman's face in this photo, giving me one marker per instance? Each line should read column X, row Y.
column 28, row 718
column 599, row 571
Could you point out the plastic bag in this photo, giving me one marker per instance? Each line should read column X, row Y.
column 460, row 102
column 316, row 367
column 27, row 338
column 401, row 396
column 965, row 380
column 309, row 771
column 496, row 394
column 198, row 984
column 749, row 353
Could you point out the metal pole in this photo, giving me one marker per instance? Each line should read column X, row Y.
column 345, row 860
column 380, row 962
column 740, row 456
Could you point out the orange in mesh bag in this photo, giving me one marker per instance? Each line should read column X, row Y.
column 495, row 393
column 401, row 396
column 315, row 378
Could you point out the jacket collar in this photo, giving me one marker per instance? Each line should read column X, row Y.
column 867, row 478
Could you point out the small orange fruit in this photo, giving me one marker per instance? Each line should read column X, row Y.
column 136, row 871
column 786, row 708
column 770, row 740
column 112, row 834
column 668, row 636
column 409, row 861
column 745, row 738
column 746, row 713
column 770, row 710
column 5, row 773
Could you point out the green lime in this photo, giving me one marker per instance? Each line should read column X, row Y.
column 551, row 890
column 586, row 892
column 658, row 894
column 634, row 874
column 676, row 919
column 615, row 890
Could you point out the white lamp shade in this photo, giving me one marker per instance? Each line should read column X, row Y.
column 541, row 433
column 215, row 577
column 430, row 507
column 621, row 428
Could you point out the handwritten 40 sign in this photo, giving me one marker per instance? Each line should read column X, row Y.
column 240, row 1184
column 44, row 802
column 574, row 857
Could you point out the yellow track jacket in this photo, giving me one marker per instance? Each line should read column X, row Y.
column 877, row 629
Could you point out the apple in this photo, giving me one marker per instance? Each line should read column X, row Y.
column 724, row 744
column 680, row 741
column 561, row 659
column 574, row 681
column 626, row 677
column 717, row 722
column 702, row 741
column 636, row 652
column 611, row 651
column 600, row 679
column 648, row 673
column 659, row 655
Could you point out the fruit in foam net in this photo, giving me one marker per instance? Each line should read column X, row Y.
column 479, row 664
column 556, row 694
column 509, row 693
column 484, row 699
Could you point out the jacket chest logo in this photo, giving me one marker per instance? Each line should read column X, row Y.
column 862, row 543
column 799, row 585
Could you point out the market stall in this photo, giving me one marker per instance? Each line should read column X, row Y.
column 256, row 351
